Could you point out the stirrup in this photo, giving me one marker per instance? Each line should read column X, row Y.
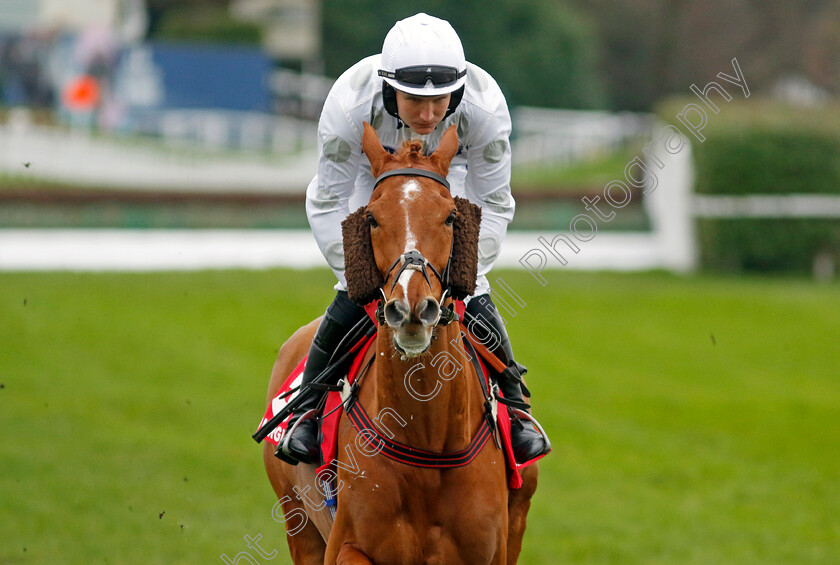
column 283, row 452
column 523, row 414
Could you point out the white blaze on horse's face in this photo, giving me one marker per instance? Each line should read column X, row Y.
column 409, row 191
column 413, row 324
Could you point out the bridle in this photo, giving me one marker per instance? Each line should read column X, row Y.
column 409, row 172
column 413, row 260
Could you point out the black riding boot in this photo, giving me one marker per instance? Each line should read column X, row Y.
column 338, row 320
column 487, row 326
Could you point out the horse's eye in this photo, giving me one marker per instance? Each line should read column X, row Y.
column 450, row 219
column 372, row 221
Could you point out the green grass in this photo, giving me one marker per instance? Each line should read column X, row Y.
column 586, row 175
column 23, row 180
column 695, row 421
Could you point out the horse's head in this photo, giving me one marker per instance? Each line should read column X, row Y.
column 413, row 243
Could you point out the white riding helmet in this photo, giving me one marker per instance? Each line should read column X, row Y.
column 422, row 55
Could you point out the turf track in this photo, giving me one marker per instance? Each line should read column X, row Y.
column 694, row 420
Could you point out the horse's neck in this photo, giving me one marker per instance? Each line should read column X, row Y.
column 437, row 396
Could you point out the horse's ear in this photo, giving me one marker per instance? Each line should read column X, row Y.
column 447, row 149
column 373, row 149
column 464, row 267
column 362, row 275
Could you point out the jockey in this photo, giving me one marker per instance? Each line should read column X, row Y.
column 416, row 88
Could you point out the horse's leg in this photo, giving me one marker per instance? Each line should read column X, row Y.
column 349, row 555
column 519, row 502
column 306, row 545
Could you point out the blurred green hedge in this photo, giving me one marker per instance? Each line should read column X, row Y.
column 205, row 24
column 761, row 147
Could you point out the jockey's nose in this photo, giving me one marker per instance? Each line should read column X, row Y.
column 427, row 112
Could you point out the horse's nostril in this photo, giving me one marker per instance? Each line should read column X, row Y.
column 429, row 312
column 396, row 313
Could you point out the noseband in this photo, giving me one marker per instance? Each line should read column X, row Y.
column 413, row 260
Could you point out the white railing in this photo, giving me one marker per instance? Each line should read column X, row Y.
column 82, row 158
column 544, row 136
column 669, row 201
column 218, row 129
column 767, row 206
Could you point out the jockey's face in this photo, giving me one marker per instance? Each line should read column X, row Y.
column 422, row 113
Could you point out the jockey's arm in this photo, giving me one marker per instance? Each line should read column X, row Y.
column 328, row 195
column 488, row 185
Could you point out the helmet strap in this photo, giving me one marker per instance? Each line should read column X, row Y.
column 454, row 100
column 389, row 99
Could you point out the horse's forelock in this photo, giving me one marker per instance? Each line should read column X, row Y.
column 415, row 148
column 411, row 152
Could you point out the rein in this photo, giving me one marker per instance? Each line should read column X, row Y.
column 413, row 456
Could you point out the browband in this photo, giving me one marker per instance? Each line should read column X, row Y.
column 414, row 173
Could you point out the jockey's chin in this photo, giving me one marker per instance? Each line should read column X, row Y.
column 422, row 129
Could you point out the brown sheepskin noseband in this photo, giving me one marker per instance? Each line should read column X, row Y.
column 363, row 277
column 464, row 262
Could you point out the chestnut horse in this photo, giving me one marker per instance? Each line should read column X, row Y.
column 389, row 511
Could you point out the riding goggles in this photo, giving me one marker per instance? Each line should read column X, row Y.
column 419, row 75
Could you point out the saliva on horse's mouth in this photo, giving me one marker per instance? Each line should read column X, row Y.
column 402, row 352
column 404, row 355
